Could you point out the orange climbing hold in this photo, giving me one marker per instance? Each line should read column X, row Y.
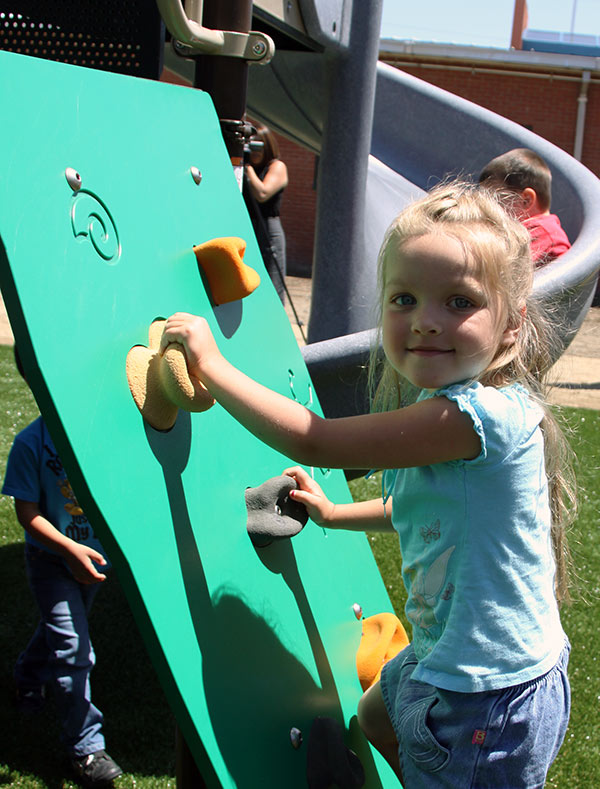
column 160, row 384
column 383, row 637
column 229, row 278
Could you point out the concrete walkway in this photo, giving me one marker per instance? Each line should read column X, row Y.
column 576, row 376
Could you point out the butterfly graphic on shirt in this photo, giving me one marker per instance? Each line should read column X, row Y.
column 430, row 533
column 428, row 585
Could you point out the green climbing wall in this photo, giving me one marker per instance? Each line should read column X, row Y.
column 247, row 643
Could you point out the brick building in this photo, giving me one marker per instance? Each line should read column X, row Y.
column 555, row 94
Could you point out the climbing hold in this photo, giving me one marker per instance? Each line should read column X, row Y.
column 229, row 278
column 160, row 383
column 358, row 612
column 272, row 514
column 383, row 637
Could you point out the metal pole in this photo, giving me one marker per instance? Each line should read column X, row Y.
column 581, row 111
column 340, row 304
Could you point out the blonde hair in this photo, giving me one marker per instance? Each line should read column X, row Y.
column 498, row 247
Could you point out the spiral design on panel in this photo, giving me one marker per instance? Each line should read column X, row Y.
column 90, row 218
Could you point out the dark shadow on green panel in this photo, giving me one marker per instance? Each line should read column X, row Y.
column 256, row 690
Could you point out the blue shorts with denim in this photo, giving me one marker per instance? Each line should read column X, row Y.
column 506, row 738
column 60, row 653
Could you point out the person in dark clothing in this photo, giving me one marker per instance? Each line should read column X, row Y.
column 266, row 177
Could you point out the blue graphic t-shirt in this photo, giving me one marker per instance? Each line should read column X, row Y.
column 35, row 473
column 476, row 549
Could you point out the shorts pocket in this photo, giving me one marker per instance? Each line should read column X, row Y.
column 416, row 739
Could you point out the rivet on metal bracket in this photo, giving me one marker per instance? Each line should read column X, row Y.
column 194, row 38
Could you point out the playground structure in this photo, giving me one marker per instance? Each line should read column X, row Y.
column 116, row 247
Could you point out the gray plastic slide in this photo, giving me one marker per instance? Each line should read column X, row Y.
column 420, row 134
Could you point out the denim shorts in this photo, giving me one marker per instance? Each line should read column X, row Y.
column 503, row 738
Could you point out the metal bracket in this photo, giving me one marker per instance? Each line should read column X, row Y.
column 191, row 38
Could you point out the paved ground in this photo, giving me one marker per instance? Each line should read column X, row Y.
column 576, row 375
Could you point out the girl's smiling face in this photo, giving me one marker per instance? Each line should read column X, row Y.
column 439, row 324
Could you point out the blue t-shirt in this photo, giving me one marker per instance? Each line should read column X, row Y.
column 476, row 548
column 34, row 473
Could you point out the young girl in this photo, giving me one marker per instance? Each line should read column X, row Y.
column 474, row 487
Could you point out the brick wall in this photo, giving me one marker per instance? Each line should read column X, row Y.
column 298, row 206
column 546, row 105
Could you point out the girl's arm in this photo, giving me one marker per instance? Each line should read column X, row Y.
column 276, row 179
column 432, row 431
column 78, row 557
column 358, row 516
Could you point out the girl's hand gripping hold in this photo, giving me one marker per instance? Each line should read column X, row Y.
column 320, row 509
column 193, row 332
column 355, row 516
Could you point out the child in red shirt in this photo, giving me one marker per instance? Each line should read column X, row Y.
column 527, row 179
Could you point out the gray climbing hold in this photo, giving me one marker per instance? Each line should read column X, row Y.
column 272, row 514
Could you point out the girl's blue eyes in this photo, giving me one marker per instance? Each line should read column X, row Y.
column 404, row 300
column 458, row 302
column 461, row 303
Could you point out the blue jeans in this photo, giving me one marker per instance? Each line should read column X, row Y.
column 60, row 653
column 506, row 738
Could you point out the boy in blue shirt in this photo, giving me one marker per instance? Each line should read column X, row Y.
column 65, row 564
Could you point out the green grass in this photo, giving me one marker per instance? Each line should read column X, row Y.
column 139, row 726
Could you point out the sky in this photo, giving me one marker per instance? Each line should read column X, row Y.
column 484, row 23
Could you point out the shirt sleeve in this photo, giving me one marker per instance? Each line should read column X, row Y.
column 502, row 418
column 22, row 478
